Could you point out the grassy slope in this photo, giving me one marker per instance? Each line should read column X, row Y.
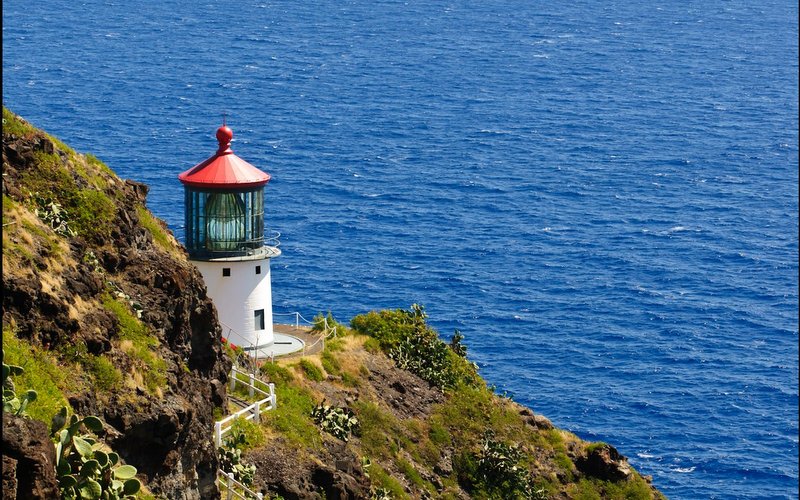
column 404, row 451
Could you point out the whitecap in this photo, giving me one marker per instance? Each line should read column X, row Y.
column 684, row 470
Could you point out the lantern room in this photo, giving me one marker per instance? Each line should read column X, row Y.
column 224, row 201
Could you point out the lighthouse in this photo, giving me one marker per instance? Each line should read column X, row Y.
column 225, row 238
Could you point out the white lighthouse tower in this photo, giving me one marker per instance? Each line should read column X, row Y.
column 224, row 198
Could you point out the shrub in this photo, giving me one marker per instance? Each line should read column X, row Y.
column 320, row 322
column 276, row 373
column 311, row 370
column 330, row 363
column 498, row 468
column 406, row 338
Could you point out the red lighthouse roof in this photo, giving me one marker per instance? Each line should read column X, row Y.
column 224, row 169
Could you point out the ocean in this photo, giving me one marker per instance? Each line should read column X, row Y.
column 601, row 196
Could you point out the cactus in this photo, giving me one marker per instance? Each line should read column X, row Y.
column 230, row 461
column 13, row 403
column 83, row 469
column 339, row 422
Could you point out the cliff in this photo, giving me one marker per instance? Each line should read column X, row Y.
column 106, row 315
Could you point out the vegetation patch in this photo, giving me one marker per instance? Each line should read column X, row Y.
column 14, row 125
column 276, row 373
column 384, row 485
column 156, row 230
column 142, row 345
column 41, row 373
column 105, row 376
column 414, row 477
column 328, row 325
column 594, row 489
column 330, row 363
column 376, row 427
column 245, row 434
column 311, row 370
column 292, row 416
column 406, row 338
column 336, row 421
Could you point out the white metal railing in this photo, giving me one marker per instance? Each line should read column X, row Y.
column 272, row 238
column 327, row 330
column 297, row 318
column 251, row 412
column 244, row 493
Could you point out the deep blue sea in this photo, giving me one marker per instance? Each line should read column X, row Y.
column 602, row 196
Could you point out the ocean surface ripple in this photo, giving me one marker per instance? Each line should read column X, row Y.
column 602, row 197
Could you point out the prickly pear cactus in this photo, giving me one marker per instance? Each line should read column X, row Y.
column 83, row 469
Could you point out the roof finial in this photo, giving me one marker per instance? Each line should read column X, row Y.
column 224, row 135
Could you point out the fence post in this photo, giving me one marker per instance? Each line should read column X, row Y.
column 257, row 416
column 218, row 434
column 273, row 403
column 296, row 320
column 252, row 384
column 233, row 380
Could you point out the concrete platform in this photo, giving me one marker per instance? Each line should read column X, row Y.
column 282, row 345
column 290, row 341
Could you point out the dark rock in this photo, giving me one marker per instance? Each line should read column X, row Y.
column 9, row 477
column 139, row 189
column 534, row 420
column 444, row 467
column 605, row 463
column 27, row 443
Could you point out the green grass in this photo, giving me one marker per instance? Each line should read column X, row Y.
column 413, row 476
column 89, row 210
column 595, row 446
column 91, row 213
column 105, row 376
column 154, row 368
column 330, row 363
column 42, row 374
column 311, row 370
column 350, row 380
column 292, row 417
column 376, row 427
column 12, row 124
column 97, row 163
column 245, row 434
column 380, row 479
column 149, row 222
column 276, row 373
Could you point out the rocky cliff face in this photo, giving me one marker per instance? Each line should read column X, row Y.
column 97, row 292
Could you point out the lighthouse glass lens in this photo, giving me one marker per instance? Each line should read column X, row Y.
column 225, row 221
